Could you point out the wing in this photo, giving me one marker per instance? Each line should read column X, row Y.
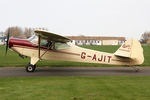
column 51, row 36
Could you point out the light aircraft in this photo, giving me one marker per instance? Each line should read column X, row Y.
column 45, row 45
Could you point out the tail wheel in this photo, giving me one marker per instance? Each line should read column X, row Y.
column 30, row 68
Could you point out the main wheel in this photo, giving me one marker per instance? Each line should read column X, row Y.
column 30, row 68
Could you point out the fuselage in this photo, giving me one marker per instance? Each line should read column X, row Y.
column 71, row 52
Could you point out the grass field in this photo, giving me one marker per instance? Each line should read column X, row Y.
column 75, row 88
column 12, row 59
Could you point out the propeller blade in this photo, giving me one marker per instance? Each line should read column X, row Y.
column 7, row 42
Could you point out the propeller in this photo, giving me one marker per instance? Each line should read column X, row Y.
column 7, row 42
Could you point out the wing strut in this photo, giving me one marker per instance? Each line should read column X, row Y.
column 39, row 42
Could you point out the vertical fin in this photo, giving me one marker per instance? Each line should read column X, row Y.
column 131, row 49
column 125, row 49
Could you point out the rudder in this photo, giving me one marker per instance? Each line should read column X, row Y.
column 131, row 49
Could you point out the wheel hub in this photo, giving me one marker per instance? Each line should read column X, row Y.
column 30, row 68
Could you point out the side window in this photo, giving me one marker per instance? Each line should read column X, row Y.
column 46, row 43
column 43, row 42
column 59, row 46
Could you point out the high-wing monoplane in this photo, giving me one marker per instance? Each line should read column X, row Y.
column 49, row 46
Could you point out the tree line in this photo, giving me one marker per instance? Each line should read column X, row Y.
column 16, row 31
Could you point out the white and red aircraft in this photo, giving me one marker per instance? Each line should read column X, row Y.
column 49, row 46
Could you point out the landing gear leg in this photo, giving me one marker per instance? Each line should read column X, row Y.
column 30, row 68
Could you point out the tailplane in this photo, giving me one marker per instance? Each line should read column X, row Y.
column 131, row 49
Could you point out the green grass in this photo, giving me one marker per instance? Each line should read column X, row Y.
column 75, row 88
column 146, row 55
column 12, row 58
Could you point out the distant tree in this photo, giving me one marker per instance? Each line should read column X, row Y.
column 21, row 32
column 14, row 31
column 144, row 37
column 2, row 34
column 28, row 32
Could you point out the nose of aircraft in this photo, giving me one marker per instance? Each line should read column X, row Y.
column 10, row 44
column 19, row 42
column 15, row 41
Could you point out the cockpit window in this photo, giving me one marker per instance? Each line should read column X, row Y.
column 48, row 43
column 43, row 42
column 59, row 45
column 34, row 39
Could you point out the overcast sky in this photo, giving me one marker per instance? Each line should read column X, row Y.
column 128, row 18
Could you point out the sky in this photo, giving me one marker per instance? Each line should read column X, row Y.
column 126, row 18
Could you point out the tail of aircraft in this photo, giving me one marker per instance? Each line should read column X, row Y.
column 131, row 49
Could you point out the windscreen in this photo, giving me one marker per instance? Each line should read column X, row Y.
column 33, row 39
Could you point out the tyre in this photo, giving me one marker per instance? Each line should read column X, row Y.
column 30, row 68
